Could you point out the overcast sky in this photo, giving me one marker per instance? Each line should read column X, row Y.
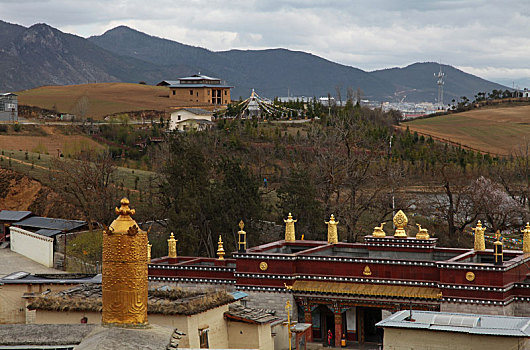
column 487, row 38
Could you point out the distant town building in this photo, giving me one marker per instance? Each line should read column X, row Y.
column 198, row 89
column 185, row 119
column 526, row 93
column 8, row 107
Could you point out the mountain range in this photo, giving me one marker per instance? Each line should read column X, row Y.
column 42, row 55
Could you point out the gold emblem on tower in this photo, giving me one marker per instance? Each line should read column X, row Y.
column 400, row 221
column 263, row 266
column 289, row 229
column 367, row 271
column 124, row 284
column 333, row 236
column 470, row 276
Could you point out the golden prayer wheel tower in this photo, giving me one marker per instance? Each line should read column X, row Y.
column 480, row 244
column 333, row 236
column 526, row 238
column 124, row 284
column 172, row 246
column 289, row 229
column 220, row 249
column 400, row 221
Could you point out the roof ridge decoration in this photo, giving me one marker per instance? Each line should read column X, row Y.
column 400, row 221
column 480, row 244
column 289, row 229
column 333, row 237
column 526, row 238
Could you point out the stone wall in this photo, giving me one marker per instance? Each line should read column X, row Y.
column 273, row 301
column 508, row 310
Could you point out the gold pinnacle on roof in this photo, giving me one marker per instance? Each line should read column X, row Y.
column 422, row 233
column 172, row 246
column 498, row 248
column 526, row 238
column 480, row 244
column 289, row 229
column 378, row 231
column 333, row 236
column 242, row 238
column 220, row 249
column 124, row 285
column 400, row 221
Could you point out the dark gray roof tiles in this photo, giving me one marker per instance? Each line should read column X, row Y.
column 40, row 222
column 13, row 215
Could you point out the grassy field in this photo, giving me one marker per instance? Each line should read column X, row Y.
column 48, row 143
column 499, row 130
column 102, row 99
column 38, row 166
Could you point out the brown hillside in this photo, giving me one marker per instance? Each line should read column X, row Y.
column 103, row 99
column 19, row 192
column 500, row 130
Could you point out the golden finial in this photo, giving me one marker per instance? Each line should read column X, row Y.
column 241, row 238
column 400, row 221
column 220, row 249
column 333, row 236
column 124, row 209
column 422, row 233
column 526, row 238
column 172, row 246
column 480, row 244
column 498, row 248
column 378, row 231
column 289, row 229
column 149, row 246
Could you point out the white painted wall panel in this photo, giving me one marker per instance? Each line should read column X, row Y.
column 36, row 247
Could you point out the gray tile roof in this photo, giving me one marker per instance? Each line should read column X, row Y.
column 43, row 334
column 245, row 314
column 461, row 323
column 69, row 278
column 199, row 85
column 196, row 111
column 39, row 222
column 13, row 215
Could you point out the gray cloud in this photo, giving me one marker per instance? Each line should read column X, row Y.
column 482, row 37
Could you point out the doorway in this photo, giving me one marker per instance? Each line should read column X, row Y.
column 368, row 317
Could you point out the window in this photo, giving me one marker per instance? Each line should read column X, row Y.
column 225, row 92
column 197, row 94
column 174, row 92
column 178, row 117
column 191, row 92
column 203, row 338
column 208, row 92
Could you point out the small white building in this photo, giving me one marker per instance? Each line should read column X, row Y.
column 185, row 119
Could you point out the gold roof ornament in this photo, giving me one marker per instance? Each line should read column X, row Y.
column 333, row 236
column 400, row 221
column 367, row 271
column 422, row 233
column 289, row 229
column 480, row 244
column 220, row 249
column 498, row 251
column 172, row 246
column 124, row 284
column 378, row 231
column 241, row 238
column 526, row 238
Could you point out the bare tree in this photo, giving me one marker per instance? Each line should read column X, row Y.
column 88, row 182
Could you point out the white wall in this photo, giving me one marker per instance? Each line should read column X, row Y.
column 185, row 115
column 36, row 247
